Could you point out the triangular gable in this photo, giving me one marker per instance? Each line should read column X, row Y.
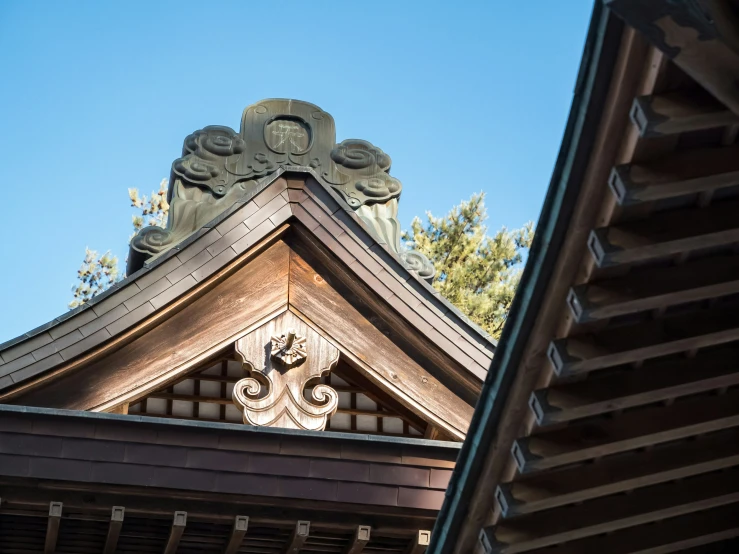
column 243, row 258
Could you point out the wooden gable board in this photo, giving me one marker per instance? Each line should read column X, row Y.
column 240, row 261
column 137, row 298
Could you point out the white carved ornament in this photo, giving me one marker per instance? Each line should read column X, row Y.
column 281, row 365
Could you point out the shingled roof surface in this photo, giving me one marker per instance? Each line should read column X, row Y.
column 275, row 200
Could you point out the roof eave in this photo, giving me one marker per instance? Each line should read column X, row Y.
column 600, row 51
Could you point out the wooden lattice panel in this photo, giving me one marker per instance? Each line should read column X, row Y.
column 206, row 394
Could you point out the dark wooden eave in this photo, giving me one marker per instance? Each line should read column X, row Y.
column 701, row 37
column 608, row 422
column 121, row 479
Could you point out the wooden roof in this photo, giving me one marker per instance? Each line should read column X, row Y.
column 244, row 255
column 608, row 422
column 73, row 482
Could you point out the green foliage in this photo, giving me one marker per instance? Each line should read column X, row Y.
column 155, row 207
column 476, row 272
column 97, row 273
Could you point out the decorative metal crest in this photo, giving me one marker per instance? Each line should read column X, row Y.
column 219, row 166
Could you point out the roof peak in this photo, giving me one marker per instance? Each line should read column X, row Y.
column 219, row 166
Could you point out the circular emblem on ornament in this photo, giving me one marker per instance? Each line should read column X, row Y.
column 288, row 135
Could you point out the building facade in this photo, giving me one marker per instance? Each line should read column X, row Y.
column 274, row 375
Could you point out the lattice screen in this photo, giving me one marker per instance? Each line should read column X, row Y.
column 206, row 395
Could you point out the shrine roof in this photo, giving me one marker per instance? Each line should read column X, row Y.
column 290, row 194
column 205, row 458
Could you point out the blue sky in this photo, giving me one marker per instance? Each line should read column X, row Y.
column 97, row 97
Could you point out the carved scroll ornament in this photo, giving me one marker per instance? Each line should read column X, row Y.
column 219, row 166
column 283, row 357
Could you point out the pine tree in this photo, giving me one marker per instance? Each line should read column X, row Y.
column 98, row 273
column 475, row 272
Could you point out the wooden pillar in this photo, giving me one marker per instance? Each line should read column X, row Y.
column 178, row 527
column 52, row 527
column 114, row 529
column 241, row 524
column 360, row 540
column 298, row 537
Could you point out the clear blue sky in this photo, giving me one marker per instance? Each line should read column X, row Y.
column 97, row 97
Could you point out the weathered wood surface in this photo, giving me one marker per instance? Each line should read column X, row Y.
column 299, row 536
column 627, row 434
column 666, row 234
column 605, row 515
column 313, row 295
column 680, row 111
column 655, row 287
column 52, row 527
column 239, row 529
column 179, row 522
column 210, row 322
column 678, row 174
column 656, row 381
column 117, row 515
column 274, row 393
column 394, row 317
column 703, row 41
column 535, row 492
column 359, row 540
column 629, row 431
column 673, row 534
column 649, row 339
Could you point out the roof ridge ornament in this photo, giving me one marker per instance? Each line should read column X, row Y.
column 219, row 166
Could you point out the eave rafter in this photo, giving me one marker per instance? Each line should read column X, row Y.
column 618, row 430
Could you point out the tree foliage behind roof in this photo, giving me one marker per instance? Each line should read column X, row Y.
column 475, row 271
column 97, row 273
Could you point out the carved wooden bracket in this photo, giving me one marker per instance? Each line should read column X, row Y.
column 283, row 356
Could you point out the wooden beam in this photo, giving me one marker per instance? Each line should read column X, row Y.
column 655, row 288
column 681, row 111
column 655, row 381
column 179, row 521
column 653, row 338
column 535, row 492
column 52, row 527
column 340, row 518
column 420, row 542
column 679, row 174
column 298, row 537
column 671, row 535
column 114, row 529
column 240, row 526
column 327, row 306
column 701, row 41
column 667, row 234
column 612, row 513
column 359, row 540
column 629, row 431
